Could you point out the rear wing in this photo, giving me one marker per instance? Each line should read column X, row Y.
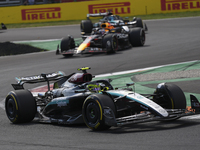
column 38, row 78
column 97, row 15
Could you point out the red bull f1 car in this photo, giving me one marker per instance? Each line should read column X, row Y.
column 76, row 98
column 105, row 39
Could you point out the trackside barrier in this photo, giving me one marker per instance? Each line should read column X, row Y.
column 78, row 10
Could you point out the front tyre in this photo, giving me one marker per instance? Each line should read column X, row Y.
column 66, row 44
column 170, row 96
column 110, row 42
column 20, row 106
column 93, row 111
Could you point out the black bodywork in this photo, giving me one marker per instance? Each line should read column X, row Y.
column 103, row 40
column 76, row 99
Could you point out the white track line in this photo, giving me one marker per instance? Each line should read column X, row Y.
column 49, row 40
column 139, row 70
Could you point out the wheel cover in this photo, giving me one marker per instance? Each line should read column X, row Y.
column 115, row 43
column 92, row 113
column 11, row 109
column 142, row 37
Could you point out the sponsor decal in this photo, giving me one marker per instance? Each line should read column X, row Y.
column 139, row 97
column 170, row 5
column 117, row 8
column 41, row 13
column 95, row 49
column 38, row 77
column 61, row 103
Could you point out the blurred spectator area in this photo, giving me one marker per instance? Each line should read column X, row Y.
column 10, row 2
column 21, row 2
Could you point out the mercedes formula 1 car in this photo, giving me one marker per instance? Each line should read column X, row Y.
column 75, row 98
column 105, row 39
column 115, row 20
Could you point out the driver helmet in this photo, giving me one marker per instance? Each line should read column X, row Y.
column 102, row 31
column 107, row 26
column 111, row 18
column 94, row 88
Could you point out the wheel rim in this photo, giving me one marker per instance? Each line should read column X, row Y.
column 11, row 109
column 92, row 113
column 142, row 37
column 115, row 43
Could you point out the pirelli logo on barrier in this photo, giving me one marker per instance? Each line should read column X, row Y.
column 41, row 13
column 170, row 5
column 117, row 8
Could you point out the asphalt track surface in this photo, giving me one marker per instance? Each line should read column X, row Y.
column 168, row 41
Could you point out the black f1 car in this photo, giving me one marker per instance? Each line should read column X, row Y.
column 75, row 98
column 115, row 20
column 106, row 39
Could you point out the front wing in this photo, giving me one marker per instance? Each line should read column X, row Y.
column 110, row 119
column 88, row 50
column 147, row 116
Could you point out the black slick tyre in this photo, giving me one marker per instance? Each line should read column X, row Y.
column 173, row 98
column 137, row 37
column 139, row 23
column 66, row 44
column 145, row 27
column 93, row 109
column 20, row 106
column 177, row 98
column 86, row 26
column 110, row 42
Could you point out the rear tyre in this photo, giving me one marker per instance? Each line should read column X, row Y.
column 110, row 42
column 20, row 106
column 137, row 37
column 66, row 44
column 86, row 26
column 93, row 109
